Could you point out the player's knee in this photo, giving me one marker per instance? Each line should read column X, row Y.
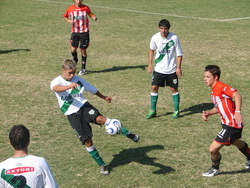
column 101, row 120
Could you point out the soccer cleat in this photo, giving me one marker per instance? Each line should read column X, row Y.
column 248, row 164
column 104, row 170
column 151, row 114
column 211, row 172
column 82, row 72
column 175, row 115
column 133, row 137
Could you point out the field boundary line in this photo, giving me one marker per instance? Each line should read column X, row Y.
column 155, row 13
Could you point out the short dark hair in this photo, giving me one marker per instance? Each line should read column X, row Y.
column 214, row 70
column 164, row 23
column 69, row 64
column 19, row 137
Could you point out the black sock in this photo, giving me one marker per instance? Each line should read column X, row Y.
column 216, row 163
column 74, row 55
column 84, row 60
column 245, row 150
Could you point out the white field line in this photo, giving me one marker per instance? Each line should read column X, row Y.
column 155, row 13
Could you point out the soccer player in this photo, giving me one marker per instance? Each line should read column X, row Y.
column 68, row 89
column 24, row 170
column 77, row 16
column 227, row 102
column 167, row 68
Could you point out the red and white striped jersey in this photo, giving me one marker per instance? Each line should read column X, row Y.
column 222, row 95
column 80, row 17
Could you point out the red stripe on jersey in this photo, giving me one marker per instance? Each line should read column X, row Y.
column 80, row 16
column 222, row 95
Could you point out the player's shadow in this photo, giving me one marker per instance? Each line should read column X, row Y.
column 13, row 50
column 236, row 171
column 118, row 68
column 198, row 108
column 139, row 155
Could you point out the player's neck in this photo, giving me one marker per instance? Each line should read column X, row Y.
column 20, row 153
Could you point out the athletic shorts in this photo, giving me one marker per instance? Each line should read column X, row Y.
column 82, row 38
column 163, row 80
column 228, row 135
column 80, row 120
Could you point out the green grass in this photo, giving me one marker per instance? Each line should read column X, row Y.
column 172, row 153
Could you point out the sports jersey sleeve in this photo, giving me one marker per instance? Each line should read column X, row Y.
column 178, row 47
column 88, row 87
column 49, row 180
column 152, row 44
column 228, row 91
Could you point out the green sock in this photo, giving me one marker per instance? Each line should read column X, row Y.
column 153, row 98
column 125, row 131
column 176, row 99
column 95, row 155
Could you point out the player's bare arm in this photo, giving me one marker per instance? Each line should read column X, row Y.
column 238, row 103
column 206, row 114
column 93, row 16
column 178, row 68
column 150, row 61
column 59, row 88
column 106, row 98
column 69, row 20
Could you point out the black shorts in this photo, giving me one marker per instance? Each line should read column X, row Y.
column 163, row 80
column 82, row 38
column 80, row 120
column 228, row 135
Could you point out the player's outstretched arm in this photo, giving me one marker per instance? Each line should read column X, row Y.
column 106, row 98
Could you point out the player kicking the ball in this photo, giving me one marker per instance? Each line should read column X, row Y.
column 68, row 89
column 227, row 102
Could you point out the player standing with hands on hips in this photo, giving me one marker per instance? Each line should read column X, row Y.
column 77, row 16
column 227, row 102
column 68, row 89
column 167, row 68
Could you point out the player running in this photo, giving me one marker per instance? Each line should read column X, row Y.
column 77, row 16
column 167, row 68
column 227, row 102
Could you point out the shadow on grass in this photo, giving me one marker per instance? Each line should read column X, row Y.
column 13, row 50
column 118, row 68
column 236, row 171
column 198, row 108
column 139, row 155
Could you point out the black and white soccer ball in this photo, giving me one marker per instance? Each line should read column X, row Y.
column 114, row 127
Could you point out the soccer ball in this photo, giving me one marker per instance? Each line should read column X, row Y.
column 114, row 127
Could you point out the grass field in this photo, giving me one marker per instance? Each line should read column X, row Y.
column 171, row 153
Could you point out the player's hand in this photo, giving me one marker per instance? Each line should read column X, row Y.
column 238, row 118
column 149, row 69
column 73, row 85
column 178, row 72
column 108, row 99
column 205, row 115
